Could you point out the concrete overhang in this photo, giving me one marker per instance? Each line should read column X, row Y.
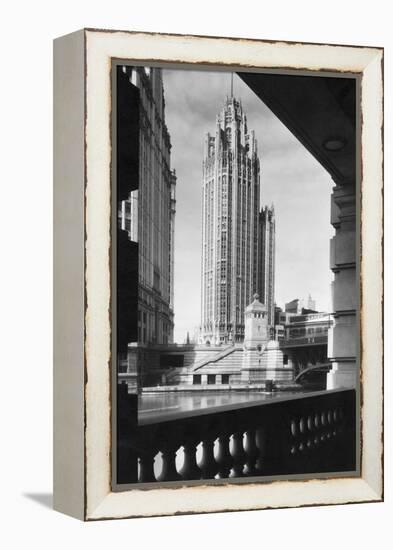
column 320, row 111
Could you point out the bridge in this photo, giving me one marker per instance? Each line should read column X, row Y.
column 304, row 342
column 322, row 368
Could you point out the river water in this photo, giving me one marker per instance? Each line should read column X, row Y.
column 152, row 406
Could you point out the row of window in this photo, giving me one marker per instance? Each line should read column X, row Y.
column 211, row 379
column 298, row 332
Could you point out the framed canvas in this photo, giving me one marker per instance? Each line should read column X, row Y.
column 218, row 274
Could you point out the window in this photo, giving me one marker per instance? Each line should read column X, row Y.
column 211, row 378
column 225, row 379
column 123, row 362
column 196, row 379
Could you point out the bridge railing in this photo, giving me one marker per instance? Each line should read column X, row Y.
column 302, row 435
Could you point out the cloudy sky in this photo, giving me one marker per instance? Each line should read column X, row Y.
column 290, row 178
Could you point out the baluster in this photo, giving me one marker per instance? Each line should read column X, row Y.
column 251, row 452
column 169, row 472
column 208, row 465
column 260, row 442
column 190, row 468
column 238, row 455
column 224, row 457
column 127, row 433
column 146, row 464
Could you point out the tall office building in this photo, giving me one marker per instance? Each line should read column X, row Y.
column 311, row 304
column 266, row 260
column 230, row 201
column 149, row 213
column 299, row 304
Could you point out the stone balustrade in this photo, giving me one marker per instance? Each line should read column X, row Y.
column 294, row 435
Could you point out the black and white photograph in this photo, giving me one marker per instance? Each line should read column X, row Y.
column 236, row 350
column 197, row 269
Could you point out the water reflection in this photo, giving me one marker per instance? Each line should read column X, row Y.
column 151, row 405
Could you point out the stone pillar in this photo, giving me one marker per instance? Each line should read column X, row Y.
column 255, row 339
column 343, row 335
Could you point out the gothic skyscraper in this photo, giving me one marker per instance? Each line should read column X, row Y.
column 231, row 190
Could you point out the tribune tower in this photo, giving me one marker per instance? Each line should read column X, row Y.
column 231, row 200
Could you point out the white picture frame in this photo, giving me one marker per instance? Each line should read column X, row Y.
column 82, row 334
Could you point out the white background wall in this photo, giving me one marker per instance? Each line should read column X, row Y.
column 25, row 306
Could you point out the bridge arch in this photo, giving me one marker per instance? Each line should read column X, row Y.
column 324, row 367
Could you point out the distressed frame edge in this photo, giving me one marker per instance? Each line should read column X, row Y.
column 371, row 272
column 374, row 483
column 69, row 276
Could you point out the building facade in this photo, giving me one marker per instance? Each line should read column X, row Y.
column 231, row 198
column 266, row 260
column 298, row 304
column 148, row 215
column 308, row 327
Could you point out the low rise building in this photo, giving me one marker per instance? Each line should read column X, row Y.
column 299, row 346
